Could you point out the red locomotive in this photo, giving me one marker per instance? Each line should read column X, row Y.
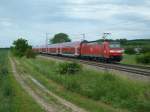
column 106, row 51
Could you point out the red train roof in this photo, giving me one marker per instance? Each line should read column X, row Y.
column 76, row 43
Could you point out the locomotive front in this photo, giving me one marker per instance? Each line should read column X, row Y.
column 115, row 51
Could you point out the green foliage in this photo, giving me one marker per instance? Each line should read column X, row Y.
column 13, row 98
column 21, row 48
column 71, row 85
column 69, row 68
column 106, row 87
column 137, row 42
column 129, row 43
column 130, row 50
column 145, row 49
column 30, row 53
column 144, row 58
column 60, row 38
column 129, row 59
column 122, row 41
column 5, row 86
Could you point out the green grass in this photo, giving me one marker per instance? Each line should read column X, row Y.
column 90, row 89
column 79, row 100
column 131, row 59
column 12, row 97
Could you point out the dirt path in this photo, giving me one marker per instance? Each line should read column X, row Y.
column 49, row 107
column 40, row 101
column 62, row 101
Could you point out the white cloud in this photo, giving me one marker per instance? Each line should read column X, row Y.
column 96, row 12
column 82, row 9
column 5, row 22
column 33, row 18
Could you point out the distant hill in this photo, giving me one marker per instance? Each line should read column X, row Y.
column 5, row 48
column 134, row 42
column 137, row 42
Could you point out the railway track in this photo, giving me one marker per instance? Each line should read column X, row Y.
column 141, row 70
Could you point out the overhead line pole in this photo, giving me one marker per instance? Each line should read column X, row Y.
column 105, row 35
column 83, row 36
column 46, row 41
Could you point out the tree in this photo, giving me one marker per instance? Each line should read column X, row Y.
column 60, row 38
column 122, row 41
column 130, row 50
column 21, row 47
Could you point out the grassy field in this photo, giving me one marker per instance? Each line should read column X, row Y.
column 131, row 59
column 95, row 91
column 12, row 97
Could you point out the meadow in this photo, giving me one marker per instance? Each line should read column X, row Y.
column 12, row 97
column 130, row 56
column 131, row 59
column 90, row 89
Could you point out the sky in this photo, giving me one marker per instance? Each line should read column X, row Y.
column 31, row 19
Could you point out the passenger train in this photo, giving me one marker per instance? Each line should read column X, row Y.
column 106, row 51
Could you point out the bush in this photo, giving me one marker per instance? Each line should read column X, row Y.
column 21, row 48
column 130, row 50
column 30, row 53
column 69, row 68
column 145, row 49
column 144, row 58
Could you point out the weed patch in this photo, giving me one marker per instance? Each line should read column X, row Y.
column 105, row 87
column 69, row 67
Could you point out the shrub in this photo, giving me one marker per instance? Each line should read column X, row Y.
column 30, row 53
column 69, row 68
column 144, row 58
column 145, row 49
column 130, row 50
column 21, row 48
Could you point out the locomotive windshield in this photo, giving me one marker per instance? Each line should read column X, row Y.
column 114, row 45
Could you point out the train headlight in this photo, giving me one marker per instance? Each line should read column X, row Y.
column 116, row 51
column 112, row 51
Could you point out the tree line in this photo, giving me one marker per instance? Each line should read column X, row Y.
column 21, row 47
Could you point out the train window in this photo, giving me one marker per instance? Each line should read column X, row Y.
column 114, row 45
